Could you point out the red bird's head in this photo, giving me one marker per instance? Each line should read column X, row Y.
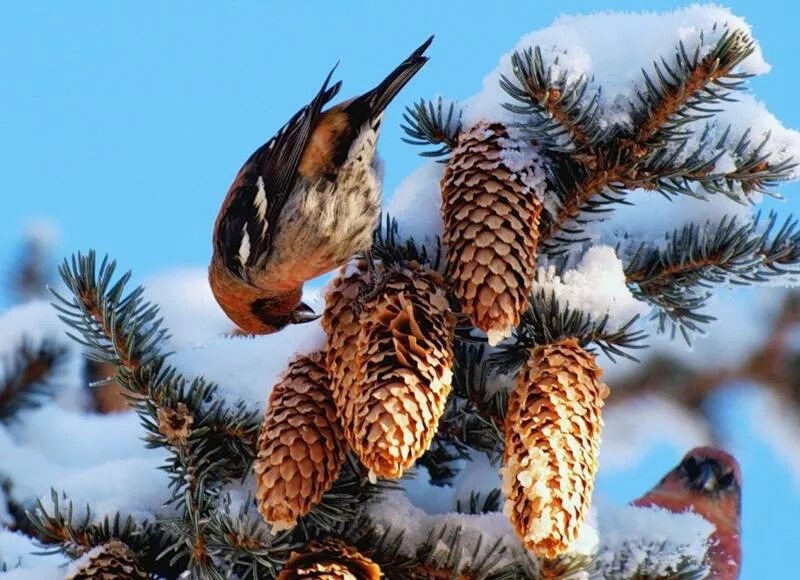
column 707, row 481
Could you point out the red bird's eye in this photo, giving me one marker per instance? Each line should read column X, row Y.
column 691, row 467
column 726, row 480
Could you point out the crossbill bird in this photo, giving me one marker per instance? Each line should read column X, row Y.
column 707, row 481
column 303, row 204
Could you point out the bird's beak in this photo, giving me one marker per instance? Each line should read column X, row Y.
column 303, row 313
column 707, row 479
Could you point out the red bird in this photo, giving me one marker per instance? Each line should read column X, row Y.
column 303, row 204
column 707, row 481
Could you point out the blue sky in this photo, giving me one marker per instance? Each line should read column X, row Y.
column 125, row 122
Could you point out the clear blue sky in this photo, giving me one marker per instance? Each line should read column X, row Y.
column 126, row 121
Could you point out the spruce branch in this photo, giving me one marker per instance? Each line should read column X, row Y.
column 641, row 562
column 210, row 442
column 475, row 412
column 557, row 113
column 444, row 554
column 240, row 540
column 388, row 247
column 479, row 504
column 548, row 320
column 342, row 503
column 27, row 378
column 432, row 123
column 677, row 277
column 61, row 529
column 691, row 87
column 662, row 152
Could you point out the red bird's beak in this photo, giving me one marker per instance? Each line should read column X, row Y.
column 706, row 478
column 302, row 314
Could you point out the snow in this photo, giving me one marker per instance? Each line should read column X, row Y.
column 18, row 549
column 190, row 311
column 93, row 459
column 416, row 204
column 475, row 475
column 596, row 287
column 34, row 323
column 245, row 368
column 652, row 540
column 651, row 217
column 611, row 49
column 396, row 513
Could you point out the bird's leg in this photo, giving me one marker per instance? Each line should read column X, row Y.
column 371, row 289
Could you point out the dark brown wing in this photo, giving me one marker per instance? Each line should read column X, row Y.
column 253, row 204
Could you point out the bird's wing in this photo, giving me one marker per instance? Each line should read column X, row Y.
column 253, row 205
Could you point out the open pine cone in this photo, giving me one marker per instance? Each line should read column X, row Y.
column 300, row 448
column 551, row 444
column 113, row 560
column 331, row 559
column 405, row 359
column 390, row 356
column 491, row 219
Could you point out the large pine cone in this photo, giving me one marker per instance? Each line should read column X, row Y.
column 113, row 560
column 300, row 447
column 491, row 228
column 552, row 436
column 390, row 353
column 330, row 560
column 405, row 358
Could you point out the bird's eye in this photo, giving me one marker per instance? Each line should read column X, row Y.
column 691, row 467
column 726, row 480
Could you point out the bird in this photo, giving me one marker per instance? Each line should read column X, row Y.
column 303, row 204
column 707, row 481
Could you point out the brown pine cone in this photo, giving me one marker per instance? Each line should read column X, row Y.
column 491, row 229
column 113, row 560
column 552, row 436
column 389, row 355
column 405, row 357
column 300, row 447
column 330, row 559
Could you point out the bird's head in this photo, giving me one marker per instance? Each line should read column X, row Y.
column 710, row 471
column 276, row 313
column 708, row 481
column 252, row 309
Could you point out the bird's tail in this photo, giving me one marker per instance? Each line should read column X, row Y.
column 379, row 98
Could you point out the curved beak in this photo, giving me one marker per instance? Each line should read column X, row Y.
column 707, row 478
column 302, row 314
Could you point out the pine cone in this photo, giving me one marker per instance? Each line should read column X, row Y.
column 405, row 357
column 113, row 560
column 551, row 443
column 331, row 559
column 491, row 219
column 341, row 322
column 300, row 446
